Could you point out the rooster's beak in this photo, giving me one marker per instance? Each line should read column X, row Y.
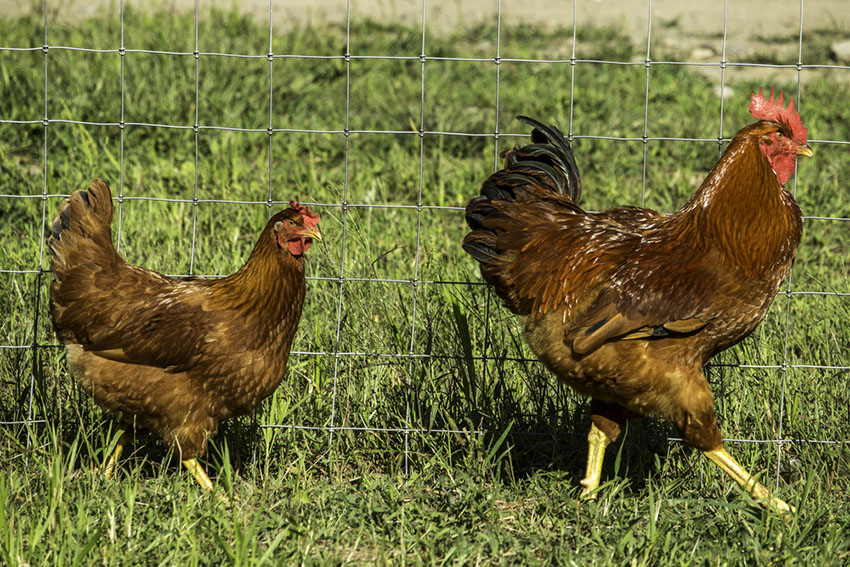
column 314, row 234
column 805, row 151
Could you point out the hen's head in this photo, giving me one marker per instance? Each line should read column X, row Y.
column 785, row 139
column 296, row 228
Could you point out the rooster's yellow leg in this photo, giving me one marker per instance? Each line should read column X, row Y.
column 109, row 468
column 597, row 441
column 725, row 461
column 197, row 471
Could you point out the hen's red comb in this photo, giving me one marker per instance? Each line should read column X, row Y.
column 310, row 218
column 773, row 111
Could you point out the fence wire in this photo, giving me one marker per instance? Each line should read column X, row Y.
column 337, row 353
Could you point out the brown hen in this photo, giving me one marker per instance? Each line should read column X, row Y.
column 174, row 356
column 628, row 305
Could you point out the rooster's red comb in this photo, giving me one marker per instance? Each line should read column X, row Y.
column 773, row 111
column 310, row 218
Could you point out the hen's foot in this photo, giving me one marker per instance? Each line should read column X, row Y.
column 597, row 441
column 197, row 471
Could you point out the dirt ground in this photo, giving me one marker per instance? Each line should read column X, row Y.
column 689, row 23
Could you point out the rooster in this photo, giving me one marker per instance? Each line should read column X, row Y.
column 627, row 306
column 174, row 356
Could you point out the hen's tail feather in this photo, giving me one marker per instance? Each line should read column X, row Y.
column 61, row 221
column 85, row 216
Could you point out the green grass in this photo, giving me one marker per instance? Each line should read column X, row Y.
column 505, row 497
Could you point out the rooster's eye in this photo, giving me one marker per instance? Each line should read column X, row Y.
column 779, row 135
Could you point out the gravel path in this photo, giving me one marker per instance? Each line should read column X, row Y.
column 673, row 20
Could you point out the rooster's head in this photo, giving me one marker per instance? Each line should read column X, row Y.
column 786, row 139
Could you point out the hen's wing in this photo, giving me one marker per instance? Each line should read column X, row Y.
column 139, row 317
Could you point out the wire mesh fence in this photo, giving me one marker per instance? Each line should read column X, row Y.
column 407, row 350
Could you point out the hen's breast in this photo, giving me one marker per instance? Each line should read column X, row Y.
column 245, row 354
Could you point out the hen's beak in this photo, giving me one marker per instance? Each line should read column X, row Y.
column 314, row 234
column 805, row 151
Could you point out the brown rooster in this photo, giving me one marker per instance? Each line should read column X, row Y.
column 174, row 356
column 628, row 305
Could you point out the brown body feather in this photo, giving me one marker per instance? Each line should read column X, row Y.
column 169, row 355
column 628, row 305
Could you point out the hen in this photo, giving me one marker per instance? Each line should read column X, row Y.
column 628, row 305
column 174, row 356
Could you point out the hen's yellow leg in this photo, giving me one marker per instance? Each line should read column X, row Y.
column 109, row 468
column 597, row 441
column 197, row 471
column 725, row 461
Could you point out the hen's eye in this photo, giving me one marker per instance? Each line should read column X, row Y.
column 779, row 135
column 291, row 222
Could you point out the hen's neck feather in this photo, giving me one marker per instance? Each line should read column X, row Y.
column 271, row 280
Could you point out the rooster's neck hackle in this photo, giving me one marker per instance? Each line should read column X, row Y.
column 744, row 212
